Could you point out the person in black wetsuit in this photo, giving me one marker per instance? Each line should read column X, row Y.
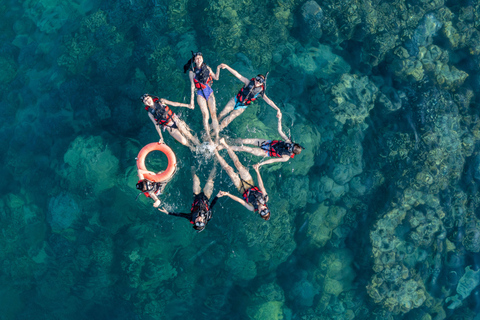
column 164, row 118
column 201, row 211
column 254, row 198
column 252, row 90
column 280, row 151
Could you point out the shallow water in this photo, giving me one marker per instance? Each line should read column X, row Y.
column 376, row 219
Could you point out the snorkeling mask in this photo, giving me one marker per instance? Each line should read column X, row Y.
column 144, row 186
column 144, row 96
column 194, row 54
column 264, row 212
column 260, row 79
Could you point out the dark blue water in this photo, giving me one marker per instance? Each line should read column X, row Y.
column 378, row 218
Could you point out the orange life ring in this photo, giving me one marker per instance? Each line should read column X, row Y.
column 172, row 161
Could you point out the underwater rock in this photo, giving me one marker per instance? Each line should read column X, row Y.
column 242, row 269
column 303, row 292
column 9, row 70
column 426, row 227
column 423, row 34
column 406, row 67
column 353, row 98
column 90, row 162
column 335, row 273
column 306, row 135
column 322, row 222
column 471, row 240
column 300, row 185
column 326, row 188
column 271, row 310
column 318, row 61
column 63, row 211
column 467, row 283
column 312, row 16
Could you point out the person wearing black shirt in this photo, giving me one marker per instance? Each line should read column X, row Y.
column 201, row 210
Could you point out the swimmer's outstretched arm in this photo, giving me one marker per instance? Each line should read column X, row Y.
column 216, row 75
column 155, row 198
column 280, row 131
column 273, row 105
column 231, row 196
column 157, row 127
column 274, row 160
column 177, row 214
column 191, row 75
column 141, row 173
column 235, row 73
column 256, row 167
column 176, row 104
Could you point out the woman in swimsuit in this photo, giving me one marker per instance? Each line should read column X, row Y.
column 280, row 151
column 201, row 78
column 161, row 115
column 252, row 89
column 254, row 198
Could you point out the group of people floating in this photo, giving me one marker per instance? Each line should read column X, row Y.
column 254, row 196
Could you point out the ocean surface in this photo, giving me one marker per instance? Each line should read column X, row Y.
column 377, row 218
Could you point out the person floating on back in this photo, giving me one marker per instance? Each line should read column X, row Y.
column 164, row 118
column 200, row 212
column 201, row 78
column 251, row 91
column 254, row 198
column 280, row 151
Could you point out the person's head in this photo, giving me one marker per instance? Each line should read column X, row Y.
column 147, row 100
column 297, row 149
column 144, row 186
column 263, row 209
column 259, row 80
column 198, row 59
column 199, row 223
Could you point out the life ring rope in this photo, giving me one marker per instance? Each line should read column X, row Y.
column 161, row 176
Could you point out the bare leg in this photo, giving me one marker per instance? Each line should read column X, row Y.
column 204, row 109
column 255, row 151
column 213, row 114
column 177, row 135
column 226, row 121
column 228, row 107
column 255, row 142
column 208, row 189
column 196, row 182
column 186, row 132
column 244, row 174
column 229, row 170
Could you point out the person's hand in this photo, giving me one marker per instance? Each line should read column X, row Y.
column 163, row 210
column 162, row 101
column 156, row 204
column 256, row 166
column 279, row 115
column 191, row 106
column 221, row 194
column 161, row 141
column 223, row 65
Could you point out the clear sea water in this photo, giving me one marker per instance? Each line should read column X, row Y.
column 378, row 218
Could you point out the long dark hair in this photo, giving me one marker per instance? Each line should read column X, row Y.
column 189, row 64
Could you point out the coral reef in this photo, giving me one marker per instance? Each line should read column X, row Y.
column 353, row 98
column 90, row 161
column 377, row 218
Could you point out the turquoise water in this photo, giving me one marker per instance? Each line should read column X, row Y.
column 378, row 218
